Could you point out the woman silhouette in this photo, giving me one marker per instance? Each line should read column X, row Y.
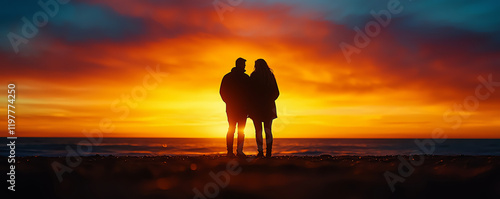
column 264, row 91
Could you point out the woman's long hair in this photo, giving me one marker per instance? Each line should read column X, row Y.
column 262, row 73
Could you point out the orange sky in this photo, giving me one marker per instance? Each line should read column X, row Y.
column 392, row 89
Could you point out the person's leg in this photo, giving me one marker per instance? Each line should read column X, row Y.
column 269, row 137
column 258, row 135
column 230, row 135
column 241, row 134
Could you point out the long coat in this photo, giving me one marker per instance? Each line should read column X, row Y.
column 264, row 92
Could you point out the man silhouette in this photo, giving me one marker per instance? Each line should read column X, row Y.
column 234, row 90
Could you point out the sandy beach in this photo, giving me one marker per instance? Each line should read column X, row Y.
column 277, row 177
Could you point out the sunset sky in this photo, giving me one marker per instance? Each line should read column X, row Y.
column 93, row 61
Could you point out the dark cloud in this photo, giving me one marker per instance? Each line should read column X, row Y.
column 72, row 22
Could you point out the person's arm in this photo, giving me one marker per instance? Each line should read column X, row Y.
column 276, row 91
column 223, row 89
column 249, row 88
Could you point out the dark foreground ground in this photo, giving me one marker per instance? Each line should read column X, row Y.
column 112, row 177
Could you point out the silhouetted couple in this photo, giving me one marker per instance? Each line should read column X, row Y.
column 252, row 96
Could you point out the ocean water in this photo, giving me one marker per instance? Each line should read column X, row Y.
column 211, row 146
